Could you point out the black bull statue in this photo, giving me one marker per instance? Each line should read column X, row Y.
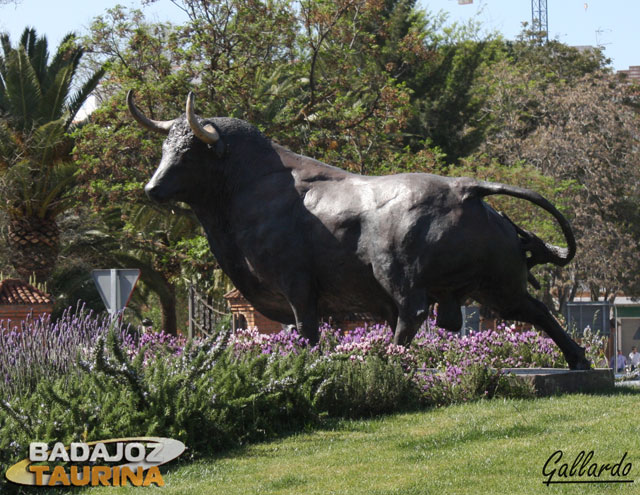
column 301, row 239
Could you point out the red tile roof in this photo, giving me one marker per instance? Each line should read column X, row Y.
column 233, row 294
column 14, row 291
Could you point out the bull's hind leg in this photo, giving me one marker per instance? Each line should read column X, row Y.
column 449, row 314
column 535, row 312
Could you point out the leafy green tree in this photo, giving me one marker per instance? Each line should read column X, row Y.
column 117, row 157
column 373, row 87
column 582, row 129
column 356, row 107
column 552, row 60
column 451, row 89
column 38, row 106
column 318, row 90
column 309, row 75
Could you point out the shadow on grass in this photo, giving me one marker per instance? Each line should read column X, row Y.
column 618, row 389
column 415, row 449
column 364, row 424
column 367, row 424
column 420, row 446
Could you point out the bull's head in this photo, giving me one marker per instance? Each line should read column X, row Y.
column 182, row 152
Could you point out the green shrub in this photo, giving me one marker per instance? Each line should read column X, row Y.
column 476, row 381
column 227, row 391
column 208, row 398
column 354, row 388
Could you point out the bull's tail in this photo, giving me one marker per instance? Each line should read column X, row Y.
column 541, row 252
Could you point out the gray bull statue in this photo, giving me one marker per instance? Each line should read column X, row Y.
column 301, row 239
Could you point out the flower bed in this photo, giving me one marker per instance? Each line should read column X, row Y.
column 87, row 381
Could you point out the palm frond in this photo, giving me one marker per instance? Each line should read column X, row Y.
column 3, row 70
column 28, row 40
column 27, row 190
column 15, row 185
column 10, row 149
column 172, row 222
column 6, row 44
column 60, row 59
column 3, row 66
column 80, row 97
column 39, row 58
column 45, row 139
column 53, row 103
column 23, row 92
column 59, row 196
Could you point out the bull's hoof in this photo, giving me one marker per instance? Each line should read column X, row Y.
column 580, row 364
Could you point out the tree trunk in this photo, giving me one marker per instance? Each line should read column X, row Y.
column 34, row 244
column 168, row 304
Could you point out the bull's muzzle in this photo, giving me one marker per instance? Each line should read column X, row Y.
column 155, row 193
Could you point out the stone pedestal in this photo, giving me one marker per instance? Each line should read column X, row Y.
column 550, row 381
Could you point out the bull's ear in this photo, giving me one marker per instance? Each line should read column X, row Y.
column 160, row 126
column 207, row 133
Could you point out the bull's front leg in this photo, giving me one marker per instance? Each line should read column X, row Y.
column 308, row 327
column 412, row 311
column 304, row 304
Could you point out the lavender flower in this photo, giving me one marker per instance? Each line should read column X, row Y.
column 46, row 349
column 438, row 362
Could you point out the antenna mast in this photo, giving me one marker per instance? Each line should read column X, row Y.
column 539, row 18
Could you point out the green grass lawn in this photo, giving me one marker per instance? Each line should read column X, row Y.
column 497, row 446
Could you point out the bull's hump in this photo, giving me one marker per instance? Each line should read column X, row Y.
column 308, row 167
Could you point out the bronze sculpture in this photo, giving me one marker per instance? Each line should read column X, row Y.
column 301, row 239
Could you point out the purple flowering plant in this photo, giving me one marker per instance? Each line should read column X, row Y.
column 250, row 341
column 43, row 348
column 444, row 365
column 239, row 386
column 438, row 362
column 152, row 344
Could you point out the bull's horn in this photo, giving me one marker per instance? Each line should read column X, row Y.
column 206, row 133
column 161, row 126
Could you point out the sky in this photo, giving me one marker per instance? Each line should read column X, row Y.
column 611, row 24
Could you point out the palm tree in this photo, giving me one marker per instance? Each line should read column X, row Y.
column 38, row 105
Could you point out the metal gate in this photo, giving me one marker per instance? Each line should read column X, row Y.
column 595, row 314
column 204, row 313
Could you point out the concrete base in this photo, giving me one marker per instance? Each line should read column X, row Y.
column 550, row 381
